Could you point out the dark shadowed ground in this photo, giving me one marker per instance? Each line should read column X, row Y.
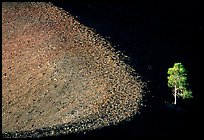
column 155, row 35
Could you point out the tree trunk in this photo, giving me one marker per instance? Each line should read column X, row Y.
column 175, row 93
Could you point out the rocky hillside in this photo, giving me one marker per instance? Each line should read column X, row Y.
column 56, row 71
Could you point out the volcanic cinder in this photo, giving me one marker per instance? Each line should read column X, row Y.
column 56, row 71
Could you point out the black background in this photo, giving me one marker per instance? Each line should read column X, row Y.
column 155, row 34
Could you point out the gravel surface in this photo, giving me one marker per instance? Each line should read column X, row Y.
column 60, row 77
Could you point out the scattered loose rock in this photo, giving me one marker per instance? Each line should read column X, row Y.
column 60, row 77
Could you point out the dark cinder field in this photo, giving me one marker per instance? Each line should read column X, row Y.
column 72, row 78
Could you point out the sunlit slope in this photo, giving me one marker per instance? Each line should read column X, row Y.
column 57, row 71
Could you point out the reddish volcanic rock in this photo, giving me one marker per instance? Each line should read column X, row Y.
column 57, row 71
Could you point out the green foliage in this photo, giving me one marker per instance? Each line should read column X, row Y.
column 177, row 80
